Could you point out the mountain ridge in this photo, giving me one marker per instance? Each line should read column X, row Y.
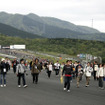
column 50, row 27
column 45, row 20
column 11, row 31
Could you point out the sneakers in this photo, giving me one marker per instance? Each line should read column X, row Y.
column 1, row 85
column 87, row 86
column 25, row 86
column 102, row 88
column 5, row 85
column 19, row 86
column 64, row 89
column 68, row 90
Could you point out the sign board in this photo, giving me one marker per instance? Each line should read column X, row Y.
column 18, row 47
column 11, row 46
column 81, row 55
column 5, row 47
column 78, row 55
column 0, row 46
column 95, row 57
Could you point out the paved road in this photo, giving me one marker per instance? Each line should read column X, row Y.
column 50, row 92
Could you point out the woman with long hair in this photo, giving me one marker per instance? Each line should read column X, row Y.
column 36, row 69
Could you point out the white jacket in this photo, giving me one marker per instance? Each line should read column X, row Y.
column 57, row 66
column 50, row 67
column 96, row 68
column 100, row 72
column 88, row 70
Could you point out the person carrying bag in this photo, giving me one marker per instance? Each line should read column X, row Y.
column 36, row 69
column 88, row 71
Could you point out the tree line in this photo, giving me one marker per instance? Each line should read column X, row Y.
column 60, row 45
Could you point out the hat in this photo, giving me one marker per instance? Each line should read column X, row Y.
column 2, row 59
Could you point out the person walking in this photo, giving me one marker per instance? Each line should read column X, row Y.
column 100, row 76
column 57, row 68
column 95, row 69
column 79, row 73
column 50, row 69
column 8, row 63
column 78, row 64
column 3, row 73
column 31, row 63
column 74, row 69
column 36, row 69
column 67, row 72
column 21, row 70
column 104, row 71
column 88, row 71
column 14, row 64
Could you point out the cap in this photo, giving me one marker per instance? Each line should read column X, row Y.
column 2, row 59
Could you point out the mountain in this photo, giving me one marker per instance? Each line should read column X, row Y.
column 50, row 27
column 67, row 25
column 22, row 22
column 11, row 31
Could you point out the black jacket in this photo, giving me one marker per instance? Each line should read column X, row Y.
column 67, row 70
column 14, row 63
column 2, row 67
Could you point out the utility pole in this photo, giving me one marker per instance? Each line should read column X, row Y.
column 92, row 23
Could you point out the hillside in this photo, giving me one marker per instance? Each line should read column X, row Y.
column 67, row 25
column 62, row 46
column 50, row 27
column 11, row 31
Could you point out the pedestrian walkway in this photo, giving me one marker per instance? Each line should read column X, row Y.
column 50, row 92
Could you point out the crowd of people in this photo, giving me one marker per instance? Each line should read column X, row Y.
column 66, row 70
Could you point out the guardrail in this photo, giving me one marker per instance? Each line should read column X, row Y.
column 9, row 56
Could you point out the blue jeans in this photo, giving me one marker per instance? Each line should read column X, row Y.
column 3, row 77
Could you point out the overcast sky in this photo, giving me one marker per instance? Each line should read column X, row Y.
column 79, row 12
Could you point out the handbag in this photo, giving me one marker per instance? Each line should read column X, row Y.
column 88, row 74
column 61, row 79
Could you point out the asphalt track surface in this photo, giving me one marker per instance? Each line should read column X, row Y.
column 50, row 92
